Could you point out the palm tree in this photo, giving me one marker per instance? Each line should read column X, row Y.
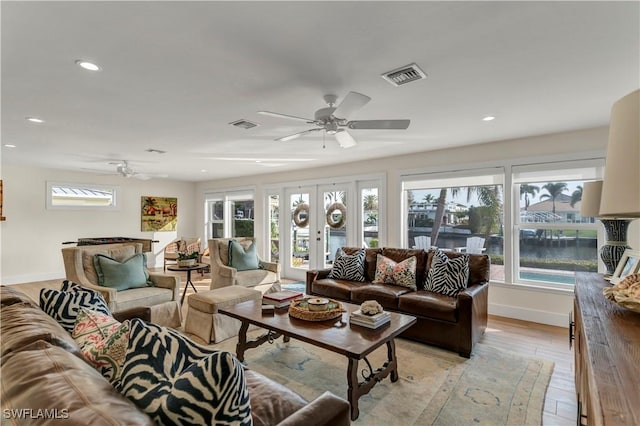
column 411, row 198
column 429, row 199
column 527, row 190
column 488, row 196
column 370, row 202
column 576, row 195
column 554, row 190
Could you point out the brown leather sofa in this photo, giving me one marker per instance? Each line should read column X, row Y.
column 43, row 376
column 454, row 323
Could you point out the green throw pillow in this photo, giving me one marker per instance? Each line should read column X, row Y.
column 131, row 273
column 241, row 259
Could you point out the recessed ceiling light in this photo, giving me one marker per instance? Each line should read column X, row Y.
column 89, row 66
column 8, row 145
column 34, row 120
column 489, row 118
column 203, row 171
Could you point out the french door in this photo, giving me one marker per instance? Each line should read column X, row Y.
column 317, row 224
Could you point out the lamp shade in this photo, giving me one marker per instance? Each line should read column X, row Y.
column 621, row 188
column 590, row 204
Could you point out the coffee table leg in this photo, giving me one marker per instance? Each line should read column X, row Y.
column 242, row 341
column 353, row 391
column 393, row 361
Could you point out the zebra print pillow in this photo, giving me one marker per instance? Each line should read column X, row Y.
column 348, row 266
column 178, row 382
column 448, row 276
column 63, row 305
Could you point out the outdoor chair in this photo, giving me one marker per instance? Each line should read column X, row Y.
column 422, row 242
column 475, row 245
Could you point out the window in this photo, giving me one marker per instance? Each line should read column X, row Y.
column 445, row 209
column 230, row 214
column 370, row 217
column 553, row 240
column 81, row 196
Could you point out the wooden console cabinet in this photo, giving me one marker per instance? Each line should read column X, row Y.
column 607, row 356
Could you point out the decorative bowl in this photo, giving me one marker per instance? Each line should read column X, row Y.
column 186, row 262
column 318, row 304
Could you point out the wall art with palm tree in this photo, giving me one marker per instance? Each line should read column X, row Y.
column 159, row 214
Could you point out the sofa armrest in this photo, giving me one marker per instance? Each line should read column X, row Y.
column 142, row 312
column 313, row 275
column 473, row 312
column 327, row 409
column 171, row 282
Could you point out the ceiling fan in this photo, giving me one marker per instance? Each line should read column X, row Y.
column 125, row 170
column 334, row 120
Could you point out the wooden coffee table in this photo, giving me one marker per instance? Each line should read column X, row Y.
column 339, row 336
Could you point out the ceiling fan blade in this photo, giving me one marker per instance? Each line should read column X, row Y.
column 351, row 103
column 290, row 117
column 296, row 135
column 379, row 124
column 345, row 140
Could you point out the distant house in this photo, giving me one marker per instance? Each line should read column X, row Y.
column 543, row 211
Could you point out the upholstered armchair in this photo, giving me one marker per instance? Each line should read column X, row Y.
column 171, row 250
column 265, row 278
column 161, row 298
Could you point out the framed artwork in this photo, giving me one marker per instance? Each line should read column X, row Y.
column 629, row 264
column 159, row 214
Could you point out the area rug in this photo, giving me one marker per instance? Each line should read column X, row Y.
column 436, row 387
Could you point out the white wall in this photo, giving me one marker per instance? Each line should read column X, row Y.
column 32, row 236
column 516, row 301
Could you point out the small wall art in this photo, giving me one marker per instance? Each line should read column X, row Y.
column 159, row 214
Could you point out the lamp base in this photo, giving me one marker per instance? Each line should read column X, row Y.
column 616, row 243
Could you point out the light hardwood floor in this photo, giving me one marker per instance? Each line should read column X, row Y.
column 526, row 338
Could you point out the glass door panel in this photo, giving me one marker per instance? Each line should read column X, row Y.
column 274, row 228
column 300, row 226
column 332, row 229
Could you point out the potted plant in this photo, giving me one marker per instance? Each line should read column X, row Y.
column 187, row 259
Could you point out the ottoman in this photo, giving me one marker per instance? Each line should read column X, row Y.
column 203, row 318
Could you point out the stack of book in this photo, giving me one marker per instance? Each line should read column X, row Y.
column 369, row 321
column 281, row 299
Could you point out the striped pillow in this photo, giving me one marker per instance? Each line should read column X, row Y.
column 348, row 266
column 448, row 276
column 63, row 305
column 177, row 382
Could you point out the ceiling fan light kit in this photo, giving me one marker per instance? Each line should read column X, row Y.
column 333, row 120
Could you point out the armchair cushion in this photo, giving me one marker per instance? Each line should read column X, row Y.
column 131, row 273
column 241, row 258
column 63, row 305
column 176, row 381
column 448, row 276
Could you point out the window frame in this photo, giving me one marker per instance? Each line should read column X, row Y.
column 114, row 189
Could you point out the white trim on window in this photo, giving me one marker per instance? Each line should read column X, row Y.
column 81, row 196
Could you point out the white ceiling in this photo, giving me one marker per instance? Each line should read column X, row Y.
column 174, row 74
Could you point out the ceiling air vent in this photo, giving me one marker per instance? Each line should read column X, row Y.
column 243, row 124
column 404, row 75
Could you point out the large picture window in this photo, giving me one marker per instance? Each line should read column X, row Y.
column 454, row 211
column 553, row 240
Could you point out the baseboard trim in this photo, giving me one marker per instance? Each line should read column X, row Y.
column 21, row 279
column 532, row 315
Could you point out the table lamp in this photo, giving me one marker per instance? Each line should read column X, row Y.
column 616, row 229
column 620, row 196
